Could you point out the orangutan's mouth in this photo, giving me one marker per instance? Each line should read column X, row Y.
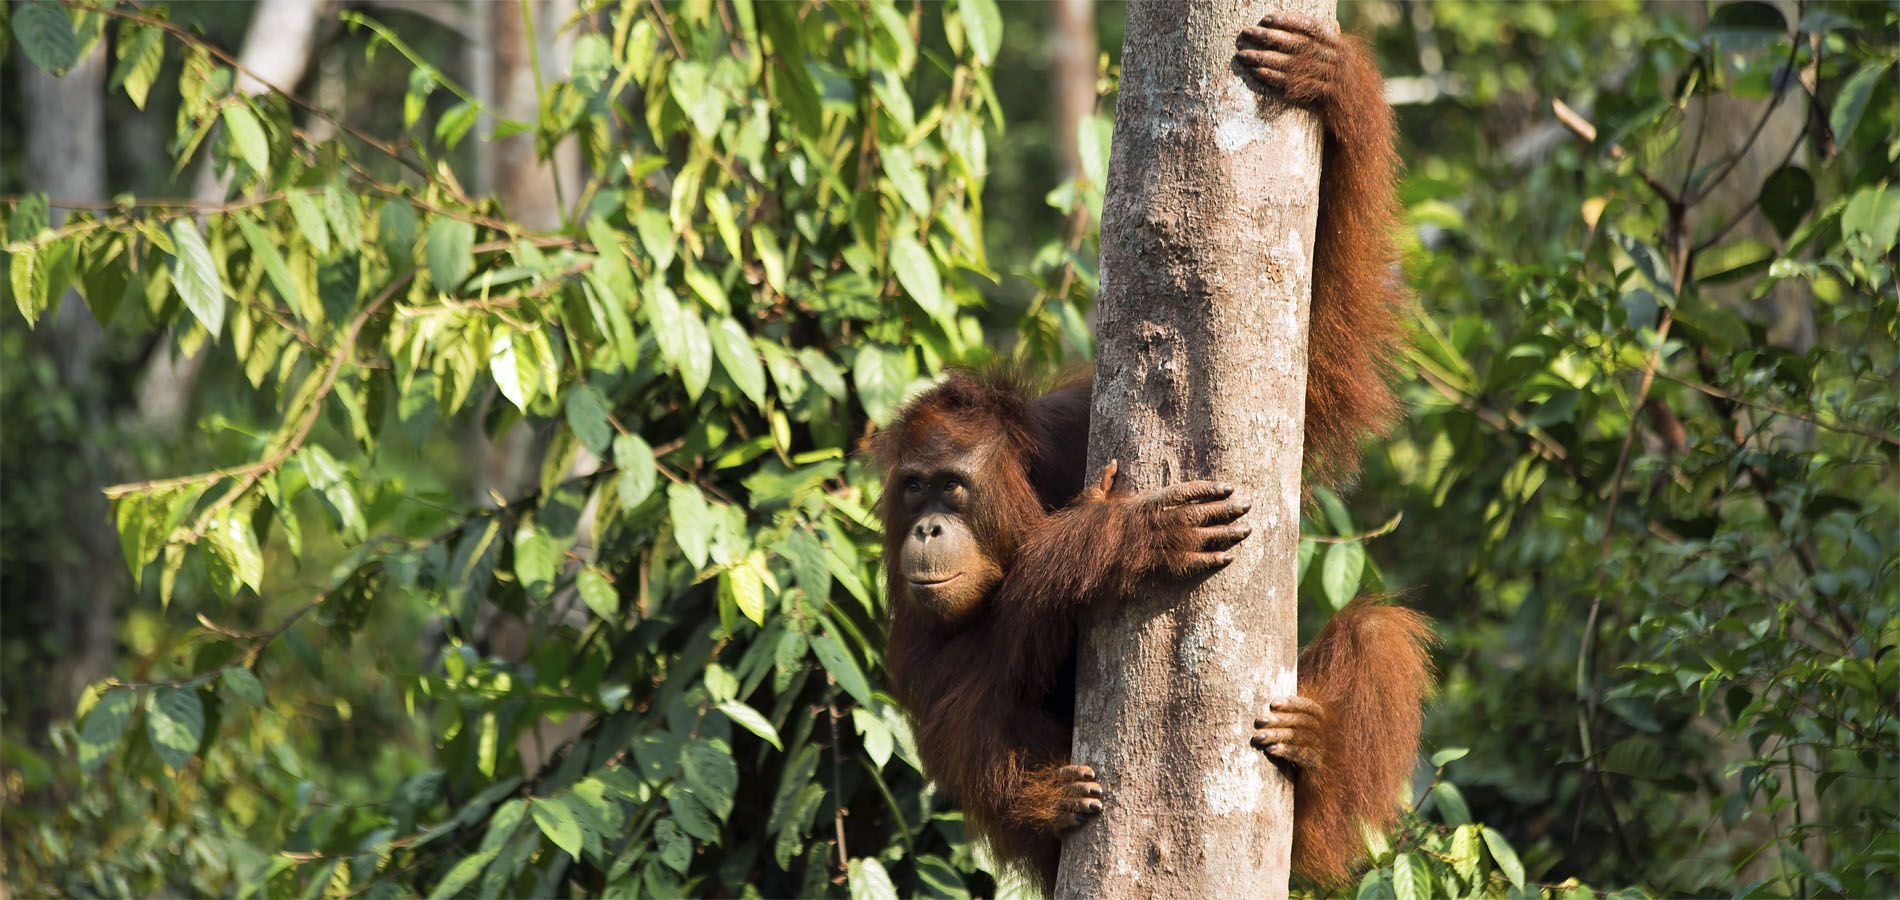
column 937, row 583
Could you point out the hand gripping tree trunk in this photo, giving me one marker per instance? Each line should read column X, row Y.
column 1207, row 242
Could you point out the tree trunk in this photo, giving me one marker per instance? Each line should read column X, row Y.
column 1207, row 240
column 533, row 191
column 1072, row 51
column 65, row 158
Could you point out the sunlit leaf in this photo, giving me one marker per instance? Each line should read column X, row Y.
column 196, row 275
column 740, row 362
column 556, row 819
column 1339, row 574
column 249, row 137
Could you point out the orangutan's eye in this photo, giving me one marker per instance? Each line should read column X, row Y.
column 912, row 486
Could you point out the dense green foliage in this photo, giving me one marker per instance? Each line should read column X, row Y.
column 1660, row 538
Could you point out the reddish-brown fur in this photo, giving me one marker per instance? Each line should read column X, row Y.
column 1359, row 306
column 988, row 696
column 991, row 695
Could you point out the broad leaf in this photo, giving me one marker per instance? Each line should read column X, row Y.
column 196, row 276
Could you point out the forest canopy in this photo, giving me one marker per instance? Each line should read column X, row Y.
column 435, row 468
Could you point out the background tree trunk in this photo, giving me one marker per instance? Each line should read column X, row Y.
column 1207, row 239
column 532, row 190
column 65, row 159
column 1072, row 53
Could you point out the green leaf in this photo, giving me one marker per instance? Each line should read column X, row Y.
column 141, row 51
column 1451, row 804
column 264, row 252
column 692, row 815
column 710, row 773
column 502, row 825
column 1339, row 574
column 537, row 559
column 1411, row 880
column 658, row 755
column 770, row 256
column 46, row 34
column 396, row 231
column 681, row 335
column 1505, row 856
column 917, row 273
column 333, row 484
column 842, row 667
column 511, row 362
column 421, row 85
column 741, row 362
column 303, row 208
column 1559, row 408
column 455, row 122
column 463, row 873
column 590, row 62
column 344, row 213
column 707, row 289
column 869, row 881
column 598, row 593
column 175, row 724
column 1093, row 136
column 235, row 546
column 751, row 720
column 587, row 418
column 656, row 235
column 1852, row 102
column 675, row 850
column 705, row 106
column 252, row 146
column 240, row 681
column 104, row 727
column 983, row 23
column 27, row 274
column 450, row 252
column 196, row 276
column 1649, row 261
column 30, row 218
column 692, row 522
column 902, row 171
column 1449, row 754
column 881, row 374
column 745, row 588
column 1870, row 223
column 878, row 740
column 557, row 820
column 637, row 468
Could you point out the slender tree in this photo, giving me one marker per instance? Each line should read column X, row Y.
column 1207, row 238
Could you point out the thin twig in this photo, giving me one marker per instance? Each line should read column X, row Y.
column 837, row 773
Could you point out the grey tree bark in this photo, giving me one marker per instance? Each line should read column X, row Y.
column 65, row 158
column 1200, row 372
